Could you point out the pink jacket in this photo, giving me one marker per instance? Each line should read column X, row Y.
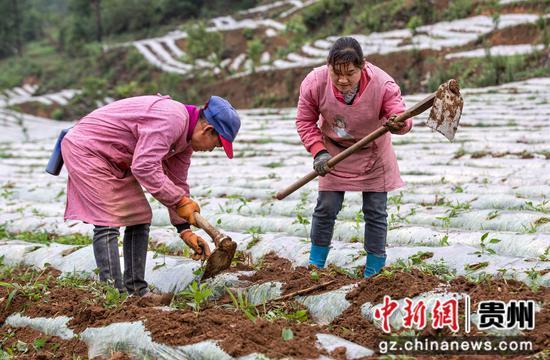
column 324, row 123
column 116, row 150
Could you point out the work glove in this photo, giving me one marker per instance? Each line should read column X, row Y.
column 198, row 244
column 320, row 163
column 394, row 126
column 186, row 208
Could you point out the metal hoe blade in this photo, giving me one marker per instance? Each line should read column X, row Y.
column 447, row 109
column 221, row 258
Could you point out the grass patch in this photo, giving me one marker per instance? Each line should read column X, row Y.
column 43, row 237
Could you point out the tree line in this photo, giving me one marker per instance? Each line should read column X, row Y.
column 69, row 24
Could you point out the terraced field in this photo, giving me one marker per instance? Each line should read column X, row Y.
column 166, row 52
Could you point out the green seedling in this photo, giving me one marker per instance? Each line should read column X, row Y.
column 273, row 165
column 314, row 275
column 255, row 231
column 459, row 153
column 113, row 298
column 502, row 274
column 416, row 261
column 444, row 240
column 530, row 229
column 493, row 214
column 33, row 289
column 227, row 210
column 39, row 343
column 74, row 280
column 198, row 295
column 476, row 266
column 420, row 256
column 359, row 219
column 160, row 249
column 240, row 302
column 396, row 200
column 300, row 219
column 279, row 313
column 480, row 278
column 483, row 245
column 535, row 277
column 287, row 334
column 543, row 257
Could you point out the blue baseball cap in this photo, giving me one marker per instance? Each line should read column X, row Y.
column 220, row 114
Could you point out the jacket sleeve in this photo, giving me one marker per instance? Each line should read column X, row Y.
column 177, row 168
column 307, row 116
column 155, row 139
column 393, row 103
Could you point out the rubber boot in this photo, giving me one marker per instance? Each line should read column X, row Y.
column 373, row 264
column 318, row 255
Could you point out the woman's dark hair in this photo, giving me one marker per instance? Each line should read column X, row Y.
column 345, row 50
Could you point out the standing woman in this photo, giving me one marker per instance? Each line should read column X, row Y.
column 339, row 104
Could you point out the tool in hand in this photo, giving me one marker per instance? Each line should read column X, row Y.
column 222, row 256
column 446, row 104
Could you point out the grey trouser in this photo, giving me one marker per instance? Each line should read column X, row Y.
column 329, row 204
column 134, row 249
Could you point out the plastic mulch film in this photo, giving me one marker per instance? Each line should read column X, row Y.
column 260, row 293
column 170, row 273
column 56, row 326
column 297, row 250
column 13, row 252
column 353, row 350
column 133, row 339
column 227, row 280
column 82, row 260
column 324, row 308
column 53, row 255
column 254, row 356
column 205, row 350
column 396, row 319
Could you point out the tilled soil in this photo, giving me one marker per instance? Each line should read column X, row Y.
column 275, row 268
column 236, row 333
column 32, row 344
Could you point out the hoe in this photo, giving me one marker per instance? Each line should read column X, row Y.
column 446, row 104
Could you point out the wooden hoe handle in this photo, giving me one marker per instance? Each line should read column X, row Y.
column 415, row 110
column 214, row 233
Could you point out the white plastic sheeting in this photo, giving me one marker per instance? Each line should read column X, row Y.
column 326, row 307
column 56, row 326
column 133, row 339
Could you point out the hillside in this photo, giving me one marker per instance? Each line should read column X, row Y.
column 258, row 56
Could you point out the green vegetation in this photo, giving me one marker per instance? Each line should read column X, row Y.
column 489, row 70
column 63, row 44
column 195, row 296
column 241, row 303
column 483, row 245
column 255, row 231
column 33, row 288
column 417, row 261
column 43, row 237
column 202, row 44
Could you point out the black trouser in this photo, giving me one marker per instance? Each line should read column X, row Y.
column 329, row 204
column 134, row 248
